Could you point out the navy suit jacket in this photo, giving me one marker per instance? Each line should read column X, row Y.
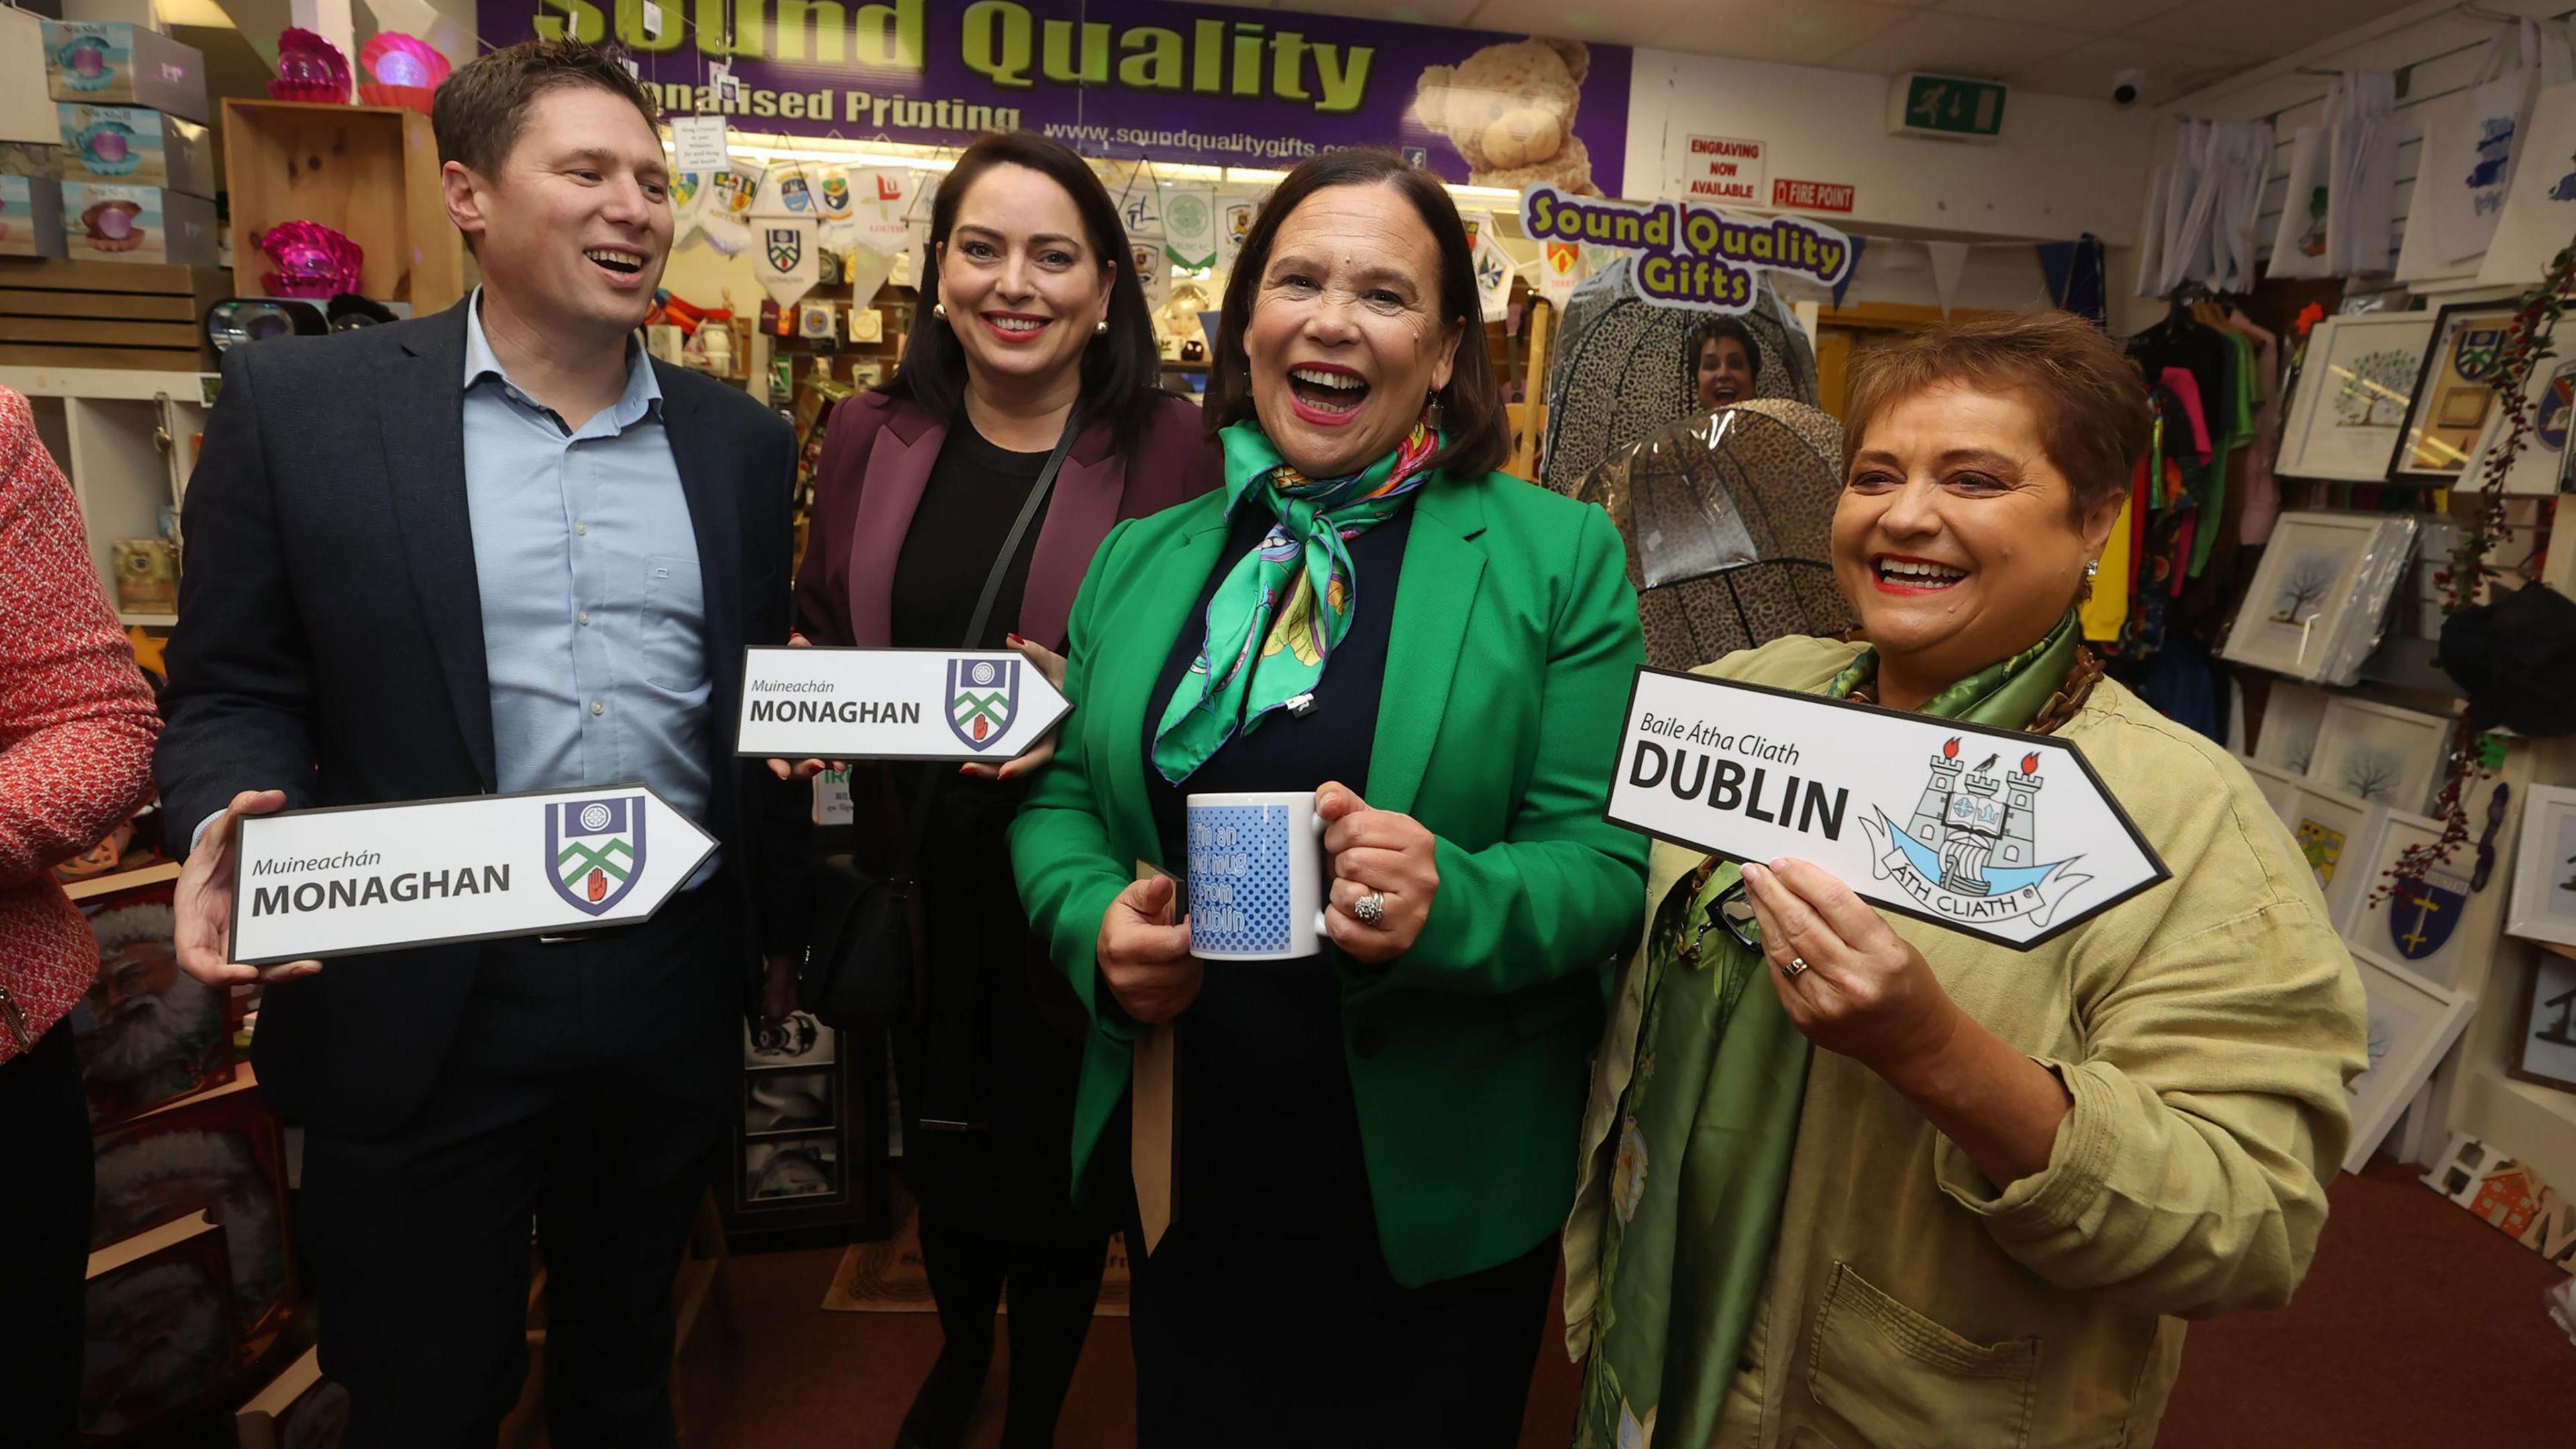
column 330, row 644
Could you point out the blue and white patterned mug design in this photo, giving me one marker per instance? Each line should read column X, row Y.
column 1243, row 880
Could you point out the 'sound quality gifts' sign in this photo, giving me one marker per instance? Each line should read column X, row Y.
column 2006, row 836
column 892, row 704
column 344, row 882
column 1689, row 255
column 1126, row 79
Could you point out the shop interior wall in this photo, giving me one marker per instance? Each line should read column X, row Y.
column 2436, row 51
column 2064, row 165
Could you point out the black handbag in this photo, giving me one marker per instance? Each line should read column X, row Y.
column 863, row 965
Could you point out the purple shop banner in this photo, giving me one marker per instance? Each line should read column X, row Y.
column 1124, row 79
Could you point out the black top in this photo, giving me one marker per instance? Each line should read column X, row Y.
column 967, row 508
column 995, row 1045
column 1269, row 1131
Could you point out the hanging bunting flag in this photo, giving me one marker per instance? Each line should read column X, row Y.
column 789, row 259
column 1237, row 211
column 787, row 191
column 1560, row 270
column 914, row 264
column 1493, row 274
column 1190, row 226
column 1147, row 254
column 1949, row 263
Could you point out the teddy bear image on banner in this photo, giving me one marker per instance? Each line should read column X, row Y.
column 1509, row 109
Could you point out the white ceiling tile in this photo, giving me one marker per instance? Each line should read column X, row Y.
column 1957, row 45
column 2271, row 28
column 2171, row 69
column 1615, row 22
column 1794, row 32
column 2094, row 17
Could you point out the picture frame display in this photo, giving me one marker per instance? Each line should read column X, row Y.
column 2412, row 1024
column 2543, row 904
column 2301, row 605
column 2415, row 921
column 2338, row 834
column 2454, row 396
column 2354, row 395
column 2549, row 396
column 2381, row 753
column 2544, row 1050
column 809, row 1151
column 2280, row 787
column 2292, row 716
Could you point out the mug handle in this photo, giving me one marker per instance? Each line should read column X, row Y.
column 1322, row 930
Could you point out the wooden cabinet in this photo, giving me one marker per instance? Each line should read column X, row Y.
column 367, row 172
column 127, row 440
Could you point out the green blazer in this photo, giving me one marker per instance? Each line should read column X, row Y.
column 1514, row 641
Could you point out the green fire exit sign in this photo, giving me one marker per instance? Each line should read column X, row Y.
column 1946, row 107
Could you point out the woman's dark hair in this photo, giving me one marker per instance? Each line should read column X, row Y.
column 1713, row 328
column 1122, row 370
column 1471, row 407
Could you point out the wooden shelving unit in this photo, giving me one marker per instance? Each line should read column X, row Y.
column 368, row 172
column 127, row 440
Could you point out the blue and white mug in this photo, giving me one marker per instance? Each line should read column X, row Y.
column 1256, row 876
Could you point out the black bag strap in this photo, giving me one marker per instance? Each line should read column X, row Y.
column 918, row 825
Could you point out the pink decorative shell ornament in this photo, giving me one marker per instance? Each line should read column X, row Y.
column 407, row 71
column 312, row 261
column 309, row 68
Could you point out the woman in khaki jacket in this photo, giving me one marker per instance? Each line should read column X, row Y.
column 1981, row 1212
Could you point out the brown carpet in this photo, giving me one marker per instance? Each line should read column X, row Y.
column 2419, row 1327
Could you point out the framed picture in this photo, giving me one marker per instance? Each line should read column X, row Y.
column 2339, row 835
column 2549, row 395
column 2304, row 592
column 798, row 1041
column 2292, row 715
column 810, row 1149
column 157, row 1341
column 2453, row 396
column 300, row 1409
column 2383, row 754
column 2544, row 1048
column 2414, row 921
column 148, row 1033
column 2543, row 905
column 2354, row 395
column 222, row 1153
column 2412, row 1023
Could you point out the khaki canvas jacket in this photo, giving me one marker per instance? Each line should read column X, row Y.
column 2205, row 1030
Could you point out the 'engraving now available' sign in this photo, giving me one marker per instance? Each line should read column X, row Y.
column 2006, row 836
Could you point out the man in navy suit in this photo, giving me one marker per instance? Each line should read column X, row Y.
column 496, row 550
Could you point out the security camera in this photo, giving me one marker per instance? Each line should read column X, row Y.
column 2125, row 85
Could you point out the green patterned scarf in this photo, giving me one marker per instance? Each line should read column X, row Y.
column 1709, row 1123
column 1292, row 596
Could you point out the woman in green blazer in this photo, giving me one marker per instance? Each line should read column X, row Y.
column 1371, row 1144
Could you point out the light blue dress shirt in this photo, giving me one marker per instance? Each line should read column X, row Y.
column 594, row 616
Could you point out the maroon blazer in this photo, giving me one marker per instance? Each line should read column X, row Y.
column 877, row 455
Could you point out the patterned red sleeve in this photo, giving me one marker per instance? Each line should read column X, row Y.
column 77, row 721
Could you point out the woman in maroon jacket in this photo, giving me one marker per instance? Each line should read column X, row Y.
column 76, row 732
column 1039, row 328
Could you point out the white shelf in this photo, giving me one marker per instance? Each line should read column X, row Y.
column 108, row 383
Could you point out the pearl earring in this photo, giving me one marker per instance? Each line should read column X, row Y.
column 1100, row 328
column 939, row 310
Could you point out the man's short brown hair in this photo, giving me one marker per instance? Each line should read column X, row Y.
column 2092, row 406
column 481, row 110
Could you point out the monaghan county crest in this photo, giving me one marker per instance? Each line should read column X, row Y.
column 595, row 850
column 786, row 246
column 1970, row 852
column 983, row 699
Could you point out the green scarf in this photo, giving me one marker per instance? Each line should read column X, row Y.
column 1292, row 595
column 1709, row 1124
